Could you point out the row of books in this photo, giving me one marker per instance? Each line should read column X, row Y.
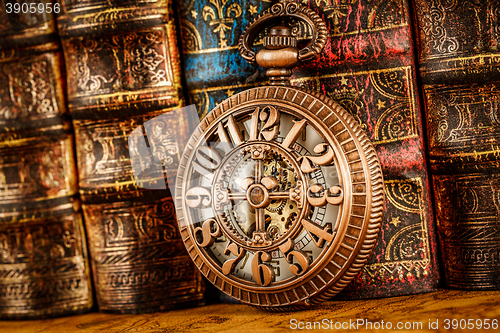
column 75, row 84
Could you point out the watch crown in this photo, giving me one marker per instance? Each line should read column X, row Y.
column 279, row 38
column 279, row 55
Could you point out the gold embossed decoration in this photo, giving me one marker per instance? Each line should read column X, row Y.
column 279, row 193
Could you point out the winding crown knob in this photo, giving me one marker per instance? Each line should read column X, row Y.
column 279, row 38
column 280, row 53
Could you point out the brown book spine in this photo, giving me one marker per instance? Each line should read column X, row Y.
column 44, row 269
column 122, row 71
column 460, row 71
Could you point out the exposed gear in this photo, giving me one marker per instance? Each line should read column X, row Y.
column 279, row 214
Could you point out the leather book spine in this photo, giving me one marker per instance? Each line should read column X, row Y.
column 44, row 266
column 369, row 67
column 123, row 71
column 459, row 64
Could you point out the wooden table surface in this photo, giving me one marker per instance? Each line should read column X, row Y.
column 415, row 310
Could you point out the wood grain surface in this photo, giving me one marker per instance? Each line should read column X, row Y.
column 440, row 305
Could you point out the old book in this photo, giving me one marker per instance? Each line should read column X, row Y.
column 368, row 66
column 122, row 68
column 44, row 268
column 459, row 62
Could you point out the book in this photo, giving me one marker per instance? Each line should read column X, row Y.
column 44, row 267
column 368, row 66
column 123, row 72
column 459, row 62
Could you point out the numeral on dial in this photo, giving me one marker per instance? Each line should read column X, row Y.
column 262, row 273
column 230, row 264
column 208, row 160
column 234, row 132
column 319, row 235
column 306, row 162
column 209, row 230
column 318, row 197
column 294, row 133
column 198, row 196
column 302, row 260
column 270, row 128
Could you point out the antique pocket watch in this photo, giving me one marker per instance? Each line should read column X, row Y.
column 279, row 192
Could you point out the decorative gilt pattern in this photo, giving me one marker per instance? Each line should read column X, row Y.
column 41, row 262
column 406, row 195
column 444, row 54
column 102, row 151
column 27, row 89
column 152, row 224
column 467, row 216
column 358, row 16
column 389, row 116
column 222, row 15
column 101, row 16
column 213, row 25
column 136, row 246
column 385, row 107
column 105, row 70
column 440, row 30
column 191, row 38
column 407, row 253
column 410, row 242
column 461, row 96
column 111, row 151
column 154, row 147
column 45, row 171
column 380, row 14
column 335, row 11
column 214, row 19
column 437, row 38
column 463, row 121
column 137, row 62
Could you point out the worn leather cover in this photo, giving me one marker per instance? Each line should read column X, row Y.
column 44, row 268
column 368, row 66
column 459, row 59
column 122, row 68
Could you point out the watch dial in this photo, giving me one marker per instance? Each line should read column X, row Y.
column 269, row 201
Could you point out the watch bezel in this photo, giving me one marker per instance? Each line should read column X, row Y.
column 335, row 121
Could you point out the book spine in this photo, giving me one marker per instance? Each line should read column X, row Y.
column 44, row 267
column 459, row 70
column 123, row 71
column 368, row 66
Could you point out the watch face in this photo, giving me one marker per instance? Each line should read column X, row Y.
column 279, row 197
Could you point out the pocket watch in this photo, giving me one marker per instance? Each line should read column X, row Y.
column 279, row 193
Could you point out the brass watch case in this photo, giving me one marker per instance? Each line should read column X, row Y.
column 345, row 246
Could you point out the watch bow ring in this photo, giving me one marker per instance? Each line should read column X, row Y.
column 279, row 194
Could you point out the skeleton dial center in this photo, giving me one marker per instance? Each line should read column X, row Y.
column 263, row 195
